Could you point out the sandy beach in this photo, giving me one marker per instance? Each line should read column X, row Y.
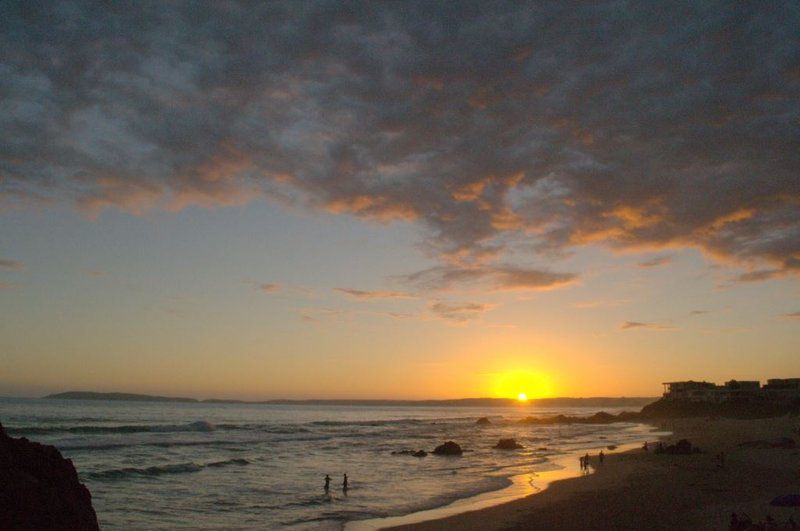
column 644, row 490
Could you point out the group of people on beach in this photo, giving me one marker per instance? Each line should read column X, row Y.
column 585, row 460
column 345, row 485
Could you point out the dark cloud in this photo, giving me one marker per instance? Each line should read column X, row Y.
column 656, row 261
column 459, row 312
column 10, row 264
column 372, row 295
column 635, row 125
column 631, row 325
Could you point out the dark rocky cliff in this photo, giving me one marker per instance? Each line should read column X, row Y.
column 731, row 409
column 39, row 489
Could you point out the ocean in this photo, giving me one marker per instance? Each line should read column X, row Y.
column 241, row 466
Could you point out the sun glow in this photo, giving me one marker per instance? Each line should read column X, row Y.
column 522, row 384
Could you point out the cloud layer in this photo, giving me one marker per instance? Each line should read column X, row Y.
column 633, row 125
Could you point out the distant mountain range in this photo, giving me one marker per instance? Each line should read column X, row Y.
column 462, row 402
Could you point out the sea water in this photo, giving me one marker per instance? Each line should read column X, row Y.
column 241, row 466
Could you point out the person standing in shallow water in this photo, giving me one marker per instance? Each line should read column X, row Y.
column 344, row 483
column 327, row 483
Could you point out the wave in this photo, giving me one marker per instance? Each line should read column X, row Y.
column 158, row 470
column 366, row 422
column 198, row 426
column 237, row 461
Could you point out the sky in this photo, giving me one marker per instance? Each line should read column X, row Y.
column 398, row 199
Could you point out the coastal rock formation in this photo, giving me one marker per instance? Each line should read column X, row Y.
column 508, row 444
column 448, row 448
column 418, row 453
column 737, row 409
column 39, row 489
column 483, row 421
column 600, row 417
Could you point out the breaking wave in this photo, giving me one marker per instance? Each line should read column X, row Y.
column 153, row 471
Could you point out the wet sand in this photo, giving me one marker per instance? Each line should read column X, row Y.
column 638, row 490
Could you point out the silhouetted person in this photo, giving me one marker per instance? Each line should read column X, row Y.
column 602, row 456
column 327, row 483
column 586, row 461
column 344, row 483
column 734, row 525
column 644, row 446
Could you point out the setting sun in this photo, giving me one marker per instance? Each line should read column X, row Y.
column 520, row 383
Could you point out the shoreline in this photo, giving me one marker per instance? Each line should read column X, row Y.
column 521, row 487
column 644, row 490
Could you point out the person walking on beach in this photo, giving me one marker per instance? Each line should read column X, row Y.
column 602, row 456
column 580, row 458
column 586, row 461
column 327, row 483
column 344, row 483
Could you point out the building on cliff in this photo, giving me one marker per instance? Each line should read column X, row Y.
column 776, row 390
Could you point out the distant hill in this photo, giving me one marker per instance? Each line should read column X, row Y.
column 130, row 397
column 462, row 402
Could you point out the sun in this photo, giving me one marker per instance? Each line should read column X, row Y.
column 522, row 397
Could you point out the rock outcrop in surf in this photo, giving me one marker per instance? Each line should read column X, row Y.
column 40, row 489
column 508, row 444
column 448, row 448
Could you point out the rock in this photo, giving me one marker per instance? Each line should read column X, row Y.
column 39, row 489
column 612, row 447
column 403, row 452
column 448, row 448
column 483, row 421
column 508, row 444
column 420, row 453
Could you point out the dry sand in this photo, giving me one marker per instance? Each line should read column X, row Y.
column 638, row 490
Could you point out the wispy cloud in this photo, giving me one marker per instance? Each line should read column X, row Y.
column 495, row 277
column 759, row 275
column 459, row 312
column 5, row 285
column 11, row 264
column 656, row 261
column 264, row 287
column 584, row 305
column 793, row 315
column 365, row 295
column 633, row 325
column 699, row 312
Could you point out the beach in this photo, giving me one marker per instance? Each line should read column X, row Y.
column 645, row 490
